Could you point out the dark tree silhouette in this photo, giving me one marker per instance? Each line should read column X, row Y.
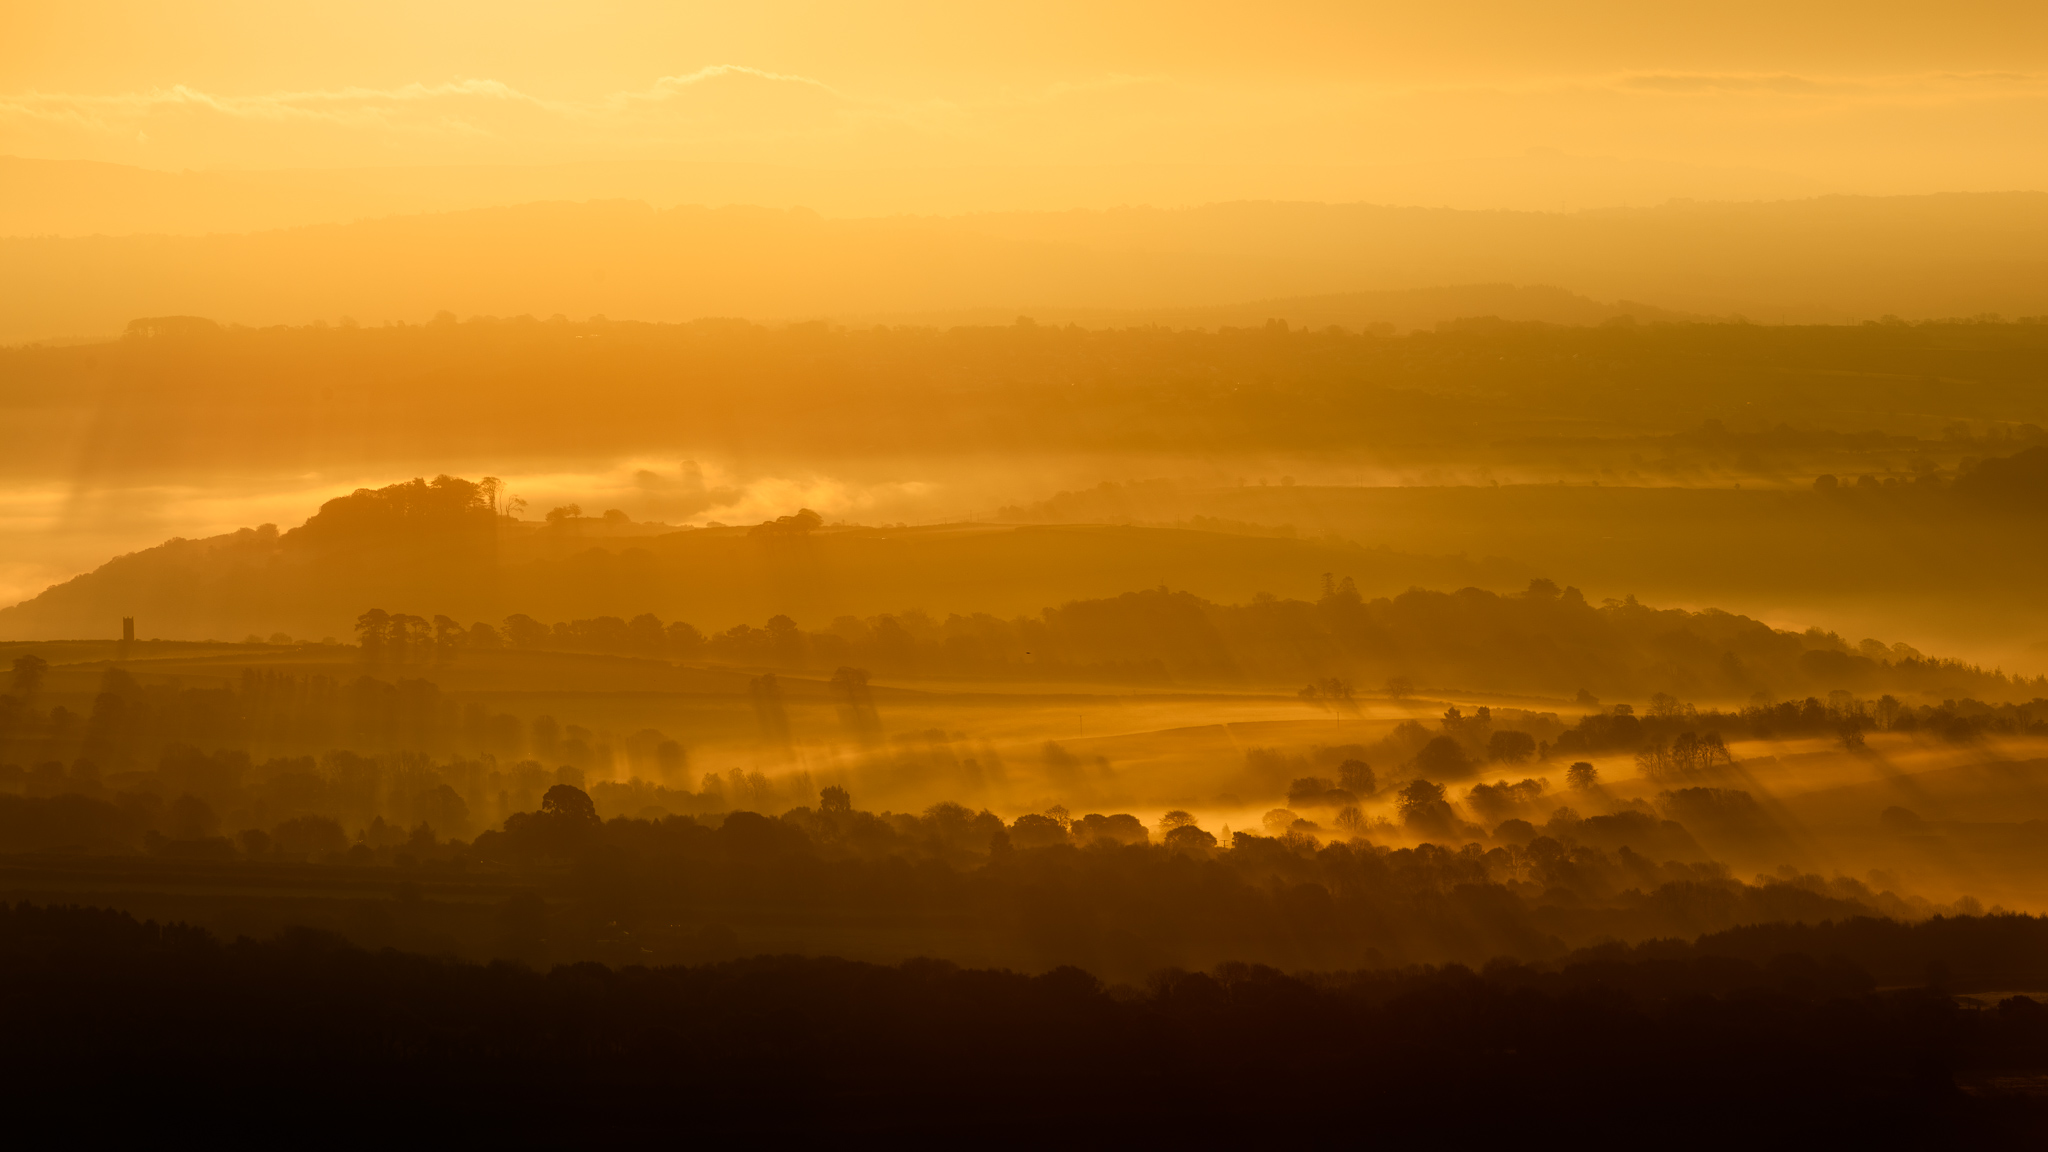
column 29, row 671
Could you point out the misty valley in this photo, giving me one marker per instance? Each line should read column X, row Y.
column 1160, row 801
column 669, row 573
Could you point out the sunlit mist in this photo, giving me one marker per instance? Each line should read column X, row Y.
column 1127, row 572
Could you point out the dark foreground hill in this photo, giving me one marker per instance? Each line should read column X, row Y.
column 1775, row 1036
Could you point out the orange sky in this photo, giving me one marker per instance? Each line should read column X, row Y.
column 1793, row 98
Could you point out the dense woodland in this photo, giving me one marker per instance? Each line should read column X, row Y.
column 1768, row 1035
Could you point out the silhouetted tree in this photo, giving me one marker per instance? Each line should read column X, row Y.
column 856, row 702
column 684, row 641
column 374, row 628
column 522, row 631
column 800, row 524
column 448, row 639
column 1443, row 756
column 569, row 804
column 1356, row 777
column 29, row 672
column 309, row 837
column 647, row 635
column 1423, row 808
column 1513, row 747
column 404, row 636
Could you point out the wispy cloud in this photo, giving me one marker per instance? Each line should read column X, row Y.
column 1925, row 85
column 358, row 105
column 734, row 112
column 1683, row 82
column 671, row 87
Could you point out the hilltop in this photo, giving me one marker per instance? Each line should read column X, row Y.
column 438, row 547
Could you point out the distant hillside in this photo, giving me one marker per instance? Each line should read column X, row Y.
column 1544, row 639
column 87, row 198
column 182, row 396
column 1827, row 259
column 1399, row 310
column 428, row 548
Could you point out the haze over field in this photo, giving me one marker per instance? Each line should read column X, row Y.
column 1348, row 570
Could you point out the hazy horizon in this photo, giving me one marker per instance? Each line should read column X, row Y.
column 643, row 570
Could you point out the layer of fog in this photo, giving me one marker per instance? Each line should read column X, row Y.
column 51, row 532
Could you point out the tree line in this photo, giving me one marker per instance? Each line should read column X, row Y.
column 1543, row 639
column 130, row 723
column 1111, row 891
column 1774, row 1034
column 1040, row 385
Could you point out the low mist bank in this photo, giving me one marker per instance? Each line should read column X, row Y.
column 1783, row 1029
column 448, row 551
column 1657, row 460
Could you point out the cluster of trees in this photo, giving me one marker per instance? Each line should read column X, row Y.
column 1677, row 739
column 405, row 639
column 1544, row 639
column 1111, row 893
column 222, row 805
column 1674, row 744
column 2017, row 483
column 132, row 769
column 1529, row 814
column 130, row 724
column 1776, row 1032
column 1106, row 889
